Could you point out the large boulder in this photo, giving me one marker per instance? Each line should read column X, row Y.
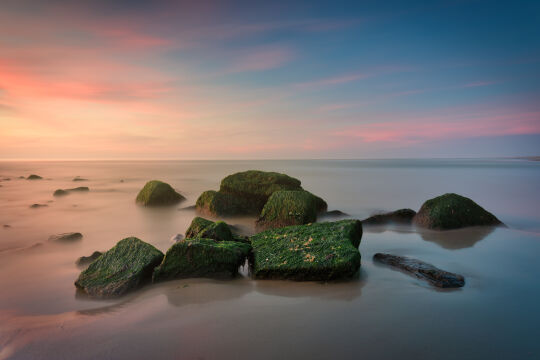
column 422, row 270
column 202, row 258
column 244, row 193
column 125, row 267
column 319, row 251
column 158, row 193
column 452, row 211
column 290, row 207
column 401, row 216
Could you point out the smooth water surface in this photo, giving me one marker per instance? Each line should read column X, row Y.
column 383, row 314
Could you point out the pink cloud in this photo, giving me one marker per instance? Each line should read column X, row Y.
column 336, row 80
column 263, row 58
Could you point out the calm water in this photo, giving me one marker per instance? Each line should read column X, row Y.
column 384, row 314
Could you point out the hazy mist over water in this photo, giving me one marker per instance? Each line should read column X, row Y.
column 383, row 314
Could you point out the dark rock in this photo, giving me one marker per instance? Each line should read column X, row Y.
column 125, row 267
column 319, row 251
column 6, row 226
column 66, row 237
column 244, row 193
column 35, row 206
column 187, row 208
column 422, row 270
column 158, row 193
column 79, row 179
column 401, row 216
column 176, row 238
column 290, row 207
column 87, row 260
column 34, row 177
column 62, row 192
column 202, row 258
column 334, row 213
column 219, row 230
column 452, row 211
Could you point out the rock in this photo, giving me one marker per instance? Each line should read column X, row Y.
column 290, row 207
column 202, row 228
column 422, row 270
column 202, row 258
column 35, row 206
column 6, row 226
column 121, row 180
column 401, row 216
column 34, row 177
column 87, row 260
column 244, row 193
column 334, row 213
column 158, row 193
column 71, row 236
column 319, row 251
column 21, row 177
column 78, row 178
column 125, row 267
column 62, row 192
column 7, row 179
column 176, row 238
column 187, row 208
column 452, row 211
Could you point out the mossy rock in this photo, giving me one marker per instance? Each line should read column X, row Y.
column 202, row 258
column 401, row 216
column 452, row 211
column 244, row 193
column 319, row 251
column 125, row 267
column 87, row 260
column 290, row 207
column 219, row 230
column 34, row 177
column 158, row 193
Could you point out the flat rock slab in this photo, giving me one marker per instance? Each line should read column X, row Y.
column 71, row 236
column 317, row 252
column 422, row 270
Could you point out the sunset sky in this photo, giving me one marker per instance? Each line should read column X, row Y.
column 234, row 80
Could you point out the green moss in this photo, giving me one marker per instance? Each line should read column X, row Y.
column 125, row 267
column 219, row 230
column 452, row 211
column 34, row 177
column 202, row 258
column 244, row 193
column 158, row 193
column 319, row 251
column 290, row 207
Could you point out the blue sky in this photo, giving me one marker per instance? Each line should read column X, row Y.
column 168, row 79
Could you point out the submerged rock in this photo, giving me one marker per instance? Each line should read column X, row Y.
column 34, row 177
column 176, row 238
column 334, row 213
column 452, row 211
column 6, row 226
column 158, row 193
column 319, row 251
column 86, row 260
column 70, row 236
column 78, row 178
column 422, row 270
column 125, row 267
column 244, row 193
column 202, row 258
column 219, row 230
column 290, row 207
column 62, row 192
column 401, row 216
column 36, row 206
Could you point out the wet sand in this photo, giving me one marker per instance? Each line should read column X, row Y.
column 382, row 314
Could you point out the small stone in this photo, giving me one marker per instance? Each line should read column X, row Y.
column 66, row 237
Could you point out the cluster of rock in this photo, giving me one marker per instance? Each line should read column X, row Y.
column 277, row 199
column 291, row 246
column 321, row 251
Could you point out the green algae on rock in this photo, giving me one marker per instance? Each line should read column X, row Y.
column 401, row 216
column 290, row 207
column 219, row 230
column 202, row 258
column 319, row 251
column 34, row 177
column 244, row 193
column 125, row 267
column 158, row 193
column 452, row 211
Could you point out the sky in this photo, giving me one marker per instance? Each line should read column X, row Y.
column 269, row 80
